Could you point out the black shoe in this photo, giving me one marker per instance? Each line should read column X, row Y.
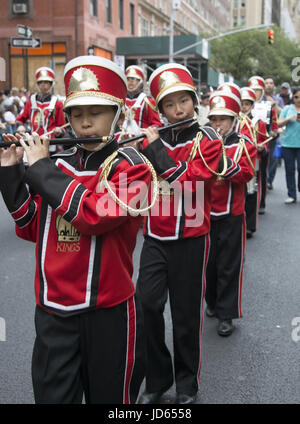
column 249, row 234
column 262, row 211
column 210, row 312
column 270, row 186
column 147, row 398
column 185, row 399
column 225, row 327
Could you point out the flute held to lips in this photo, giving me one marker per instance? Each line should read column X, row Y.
column 105, row 139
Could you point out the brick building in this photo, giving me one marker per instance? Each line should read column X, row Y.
column 67, row 28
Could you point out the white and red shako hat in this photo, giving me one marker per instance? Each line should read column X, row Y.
column 230, row 87
column 256, row 82
column 248, row 93
column 168, row 79
column 224, row 103
column 94, row 80
column 44, row 74
column 134, row 71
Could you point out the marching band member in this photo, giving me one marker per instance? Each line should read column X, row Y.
column 140, row 111
column 266, row 112
column 260, row 135
column 225, row 264
column 43, row 109
column 88, row 322
column 176, row 245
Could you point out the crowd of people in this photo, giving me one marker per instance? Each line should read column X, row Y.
column 202, row 170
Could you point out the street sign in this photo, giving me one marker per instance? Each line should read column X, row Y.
column 120, row 60
column 26, row 43
column 25, row 31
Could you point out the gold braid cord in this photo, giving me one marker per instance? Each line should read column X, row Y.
column 196, row 147
column 107, row 165
column 245, row 121
column 264, row 135
column 243, row 145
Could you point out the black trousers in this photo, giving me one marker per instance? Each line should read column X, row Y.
column 176, row 268
column 224, row 272
column 251, row 203
column 99, row 353
column 263, row 175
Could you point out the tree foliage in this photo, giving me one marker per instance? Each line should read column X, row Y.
column 248, row 53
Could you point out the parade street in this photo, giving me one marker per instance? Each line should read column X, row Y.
column 258, row 364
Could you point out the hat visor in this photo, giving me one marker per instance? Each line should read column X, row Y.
column 87, row 101
column 45, row 79
column 173, row 89
column 250, row 99
column 220, row 112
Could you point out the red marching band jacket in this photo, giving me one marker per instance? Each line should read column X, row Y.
column 84, row 239
column 44, row 116
column 144, row 110
column 228, row 193
column 184, row 204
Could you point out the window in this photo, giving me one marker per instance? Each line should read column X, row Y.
column 121, row 14
column 243, row 3
column 145, row 27
column 243, row 20
column 235, row 4
column 235, row 21
column 108, row 11
column 93, row 8
column 20, row 7
column 132, row 18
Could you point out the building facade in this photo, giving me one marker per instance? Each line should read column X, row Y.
column 293, row 7
column 66, row 29
column 247, row 13
column 191, row 17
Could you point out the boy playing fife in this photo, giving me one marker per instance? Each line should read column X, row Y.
column 88, row 328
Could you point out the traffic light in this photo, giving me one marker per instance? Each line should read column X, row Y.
column 271, row 36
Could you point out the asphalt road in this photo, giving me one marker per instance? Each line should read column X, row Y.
column 258, row 364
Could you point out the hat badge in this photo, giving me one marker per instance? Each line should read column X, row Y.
column 44, row 73
column 132, row 73
column 218, row 102
column 226, row 89
column 167, row 78
column 83, row 79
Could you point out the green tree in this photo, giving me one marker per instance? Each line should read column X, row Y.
column 248, row 53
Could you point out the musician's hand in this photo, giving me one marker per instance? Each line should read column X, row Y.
column 274, row 134
column 12, row 155
column 134, row 143
column 57, row 131
column 151, row 133
column 260, row 147
column 36, row 148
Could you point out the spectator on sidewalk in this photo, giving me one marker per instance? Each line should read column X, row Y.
column 286, row 93
column 290, row 118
